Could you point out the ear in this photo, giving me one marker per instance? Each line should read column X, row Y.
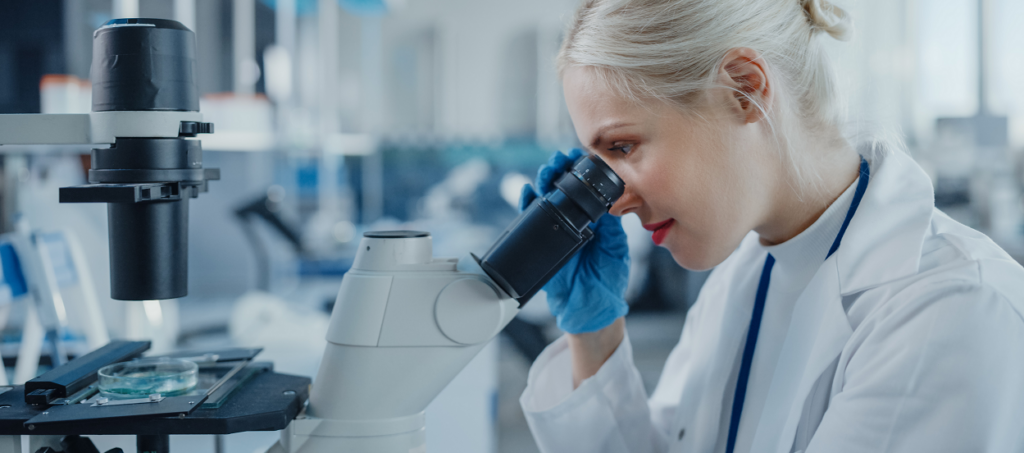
column 744, row 72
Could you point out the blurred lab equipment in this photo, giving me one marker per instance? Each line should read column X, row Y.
column 61, row 93
column 244, row 122
column 975, row 172
column 266, row 208
column 443, row 199
column 145, row 104
column 290, row 337
column 46, row 271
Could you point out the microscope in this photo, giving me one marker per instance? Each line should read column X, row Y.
column 404, row 323
column 145, row 105
column 145, row 117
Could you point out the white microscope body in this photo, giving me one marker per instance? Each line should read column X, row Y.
column 403, row 326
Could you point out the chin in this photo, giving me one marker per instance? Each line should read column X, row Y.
column 697, row 257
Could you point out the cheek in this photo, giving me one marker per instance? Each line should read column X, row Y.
column 710, row 206
column 697, row 189
column 706, row 238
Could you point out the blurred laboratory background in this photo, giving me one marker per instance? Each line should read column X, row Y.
column 336, row 117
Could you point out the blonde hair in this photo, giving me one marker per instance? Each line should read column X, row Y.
column 671, row 50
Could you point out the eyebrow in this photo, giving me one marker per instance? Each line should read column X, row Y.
column 602, row 130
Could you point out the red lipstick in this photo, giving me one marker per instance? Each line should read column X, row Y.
column 660, row 230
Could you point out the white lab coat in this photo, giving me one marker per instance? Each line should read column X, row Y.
column 910, row 338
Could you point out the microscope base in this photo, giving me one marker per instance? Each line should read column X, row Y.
column 316, row 435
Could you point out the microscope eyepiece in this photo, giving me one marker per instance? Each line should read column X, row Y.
column 599, row 176
column 552, row 229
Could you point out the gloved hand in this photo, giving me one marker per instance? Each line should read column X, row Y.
column 587, row 294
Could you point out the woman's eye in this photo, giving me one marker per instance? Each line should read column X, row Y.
column 624, row 148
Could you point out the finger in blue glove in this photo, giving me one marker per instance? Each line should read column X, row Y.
column 557, row 165
column 527, row 197
column 587, row 294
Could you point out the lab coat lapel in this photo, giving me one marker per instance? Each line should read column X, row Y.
column 883, row 242
column 818, row 331
column 721, row 340
column 720, row 360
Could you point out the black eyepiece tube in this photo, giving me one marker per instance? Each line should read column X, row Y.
column 552, row 229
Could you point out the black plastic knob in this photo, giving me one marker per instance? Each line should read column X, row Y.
column 191, row 128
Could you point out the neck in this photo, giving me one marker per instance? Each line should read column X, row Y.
column 798, row 204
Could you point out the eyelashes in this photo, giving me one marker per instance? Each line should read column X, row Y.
column 624, row 148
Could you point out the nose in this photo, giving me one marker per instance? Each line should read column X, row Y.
column 629, row 202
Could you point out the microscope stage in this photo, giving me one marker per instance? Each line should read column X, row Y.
column 259, row 400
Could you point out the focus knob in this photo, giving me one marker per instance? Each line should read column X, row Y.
column 191, row 128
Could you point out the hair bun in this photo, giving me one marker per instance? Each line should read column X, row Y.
column 829, row 18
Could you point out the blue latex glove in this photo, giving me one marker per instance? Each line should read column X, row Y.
column 587, row 294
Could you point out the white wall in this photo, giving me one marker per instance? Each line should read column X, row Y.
column 875, row 69
column 471, row 37
column 469, row 44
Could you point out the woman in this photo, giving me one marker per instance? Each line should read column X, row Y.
column 845, row 313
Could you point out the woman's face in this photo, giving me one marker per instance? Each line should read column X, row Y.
column 702, row 181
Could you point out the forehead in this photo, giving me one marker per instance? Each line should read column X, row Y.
column 594, row 104
column 588, row 94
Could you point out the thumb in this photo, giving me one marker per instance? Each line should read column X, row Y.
column 526, row 197
column 609, row 233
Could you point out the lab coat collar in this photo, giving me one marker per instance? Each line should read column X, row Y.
column 882, row 243
column 884, row 239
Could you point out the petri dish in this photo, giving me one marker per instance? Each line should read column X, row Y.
column 144, row 377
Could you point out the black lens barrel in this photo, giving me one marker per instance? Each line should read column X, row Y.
column 148, row 232
column 552, row 229
column 148, row 250
column 144, row 64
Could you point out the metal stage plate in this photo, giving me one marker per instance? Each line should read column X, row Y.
column 267, row 401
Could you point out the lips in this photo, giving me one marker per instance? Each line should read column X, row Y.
column 660, row 230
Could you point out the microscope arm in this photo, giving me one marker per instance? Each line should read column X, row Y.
column 404, row 325
column 96, row 127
